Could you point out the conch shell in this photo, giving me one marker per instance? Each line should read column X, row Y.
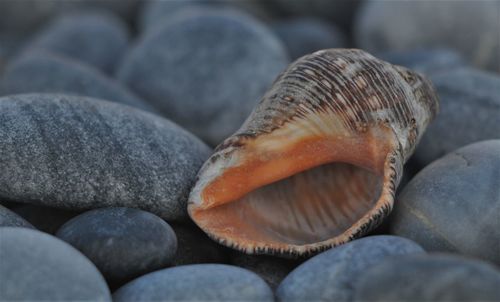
column 318, row 161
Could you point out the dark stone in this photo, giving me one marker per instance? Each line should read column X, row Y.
column 36, row 266
column 303, row 36
column 205, row 69
column 80, row 153
column 469, row 27
column 45, row 72
column 453, row 204
column 207, row 282
column 429, row 278
column 9, row 218
column 45, row 219
column 123, row 243
column 332, row 275
column 469, row 112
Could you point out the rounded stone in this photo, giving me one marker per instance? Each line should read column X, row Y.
column 332, row 275
column 45, row 219
column 97, row 38
column 207, row 282
column 81, row 153
column 205, row 69
column 469, row 111
column 11, row 219
column 453, row 204
column 303, row 36
column 469, row 27
column 123, row 243
column 36, row 266
column 45, row 72
column 429, row 278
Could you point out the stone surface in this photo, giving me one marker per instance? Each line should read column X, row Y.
column 195, row 247
column 45, row 219
column 80, row 153
column 9, row 218
column 332, row 275
column 430, row 278
column 45, row 72
column 453, row 204
column 207, row 282
column 469, row 27
column 303, row 36
column 36, row 266
column 469, row 112
column 97, row 38
column 123, row 243
column 205, row 69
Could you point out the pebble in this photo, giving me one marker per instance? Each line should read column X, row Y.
column 332, row 275
column 453, row 205
column 36, row 266
column 303, row 36
column 123, row 243
column 45, row 219
column 469, row 112
column 198, row 282
column 97, row 38
column 11, row 219
column 80, row 153
column 469, row 27
column 205, row 69
column 431, row 277
column 46, row 72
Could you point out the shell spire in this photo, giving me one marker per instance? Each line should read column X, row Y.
column 317, row 162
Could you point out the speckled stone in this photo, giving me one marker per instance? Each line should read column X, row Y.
column 45, row 72
column 303, row 36
column 36, row 266
column 430, row 278
column 45, row 219
column 123, row 243
column 9, row 218
column 332, row 275
column 207, row 282
column 469, row 27
column 453, row 204
column 194, row 246
column 205, row 69
column 80, row 153
column 469, row 112
column 97, row 38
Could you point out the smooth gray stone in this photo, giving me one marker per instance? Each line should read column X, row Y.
column 469, row 27
column 430, row 278
column 81, row 153
column 332, row 275
column 453, row 205
column 97, row 38
column 9, row 218
column 469, row 111
column 36, row 266
column 123, row 243
column 303, row 36
column 46, row 72
column 198, row 282
column 205, row 69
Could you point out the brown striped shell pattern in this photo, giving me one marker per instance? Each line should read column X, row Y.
column 317, row 162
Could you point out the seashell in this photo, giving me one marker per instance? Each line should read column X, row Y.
column 317, row 162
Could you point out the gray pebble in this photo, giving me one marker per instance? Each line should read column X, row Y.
column 123, row 243
column 207, row 282
column 46, row 72
column 332, row 275
column 469, row 27
column 80, row 153
column 36, row 266
column 9, row 218
column 45, row 219
column 469, row 112
column 303, row 36
column 430, row 278
column 205, row 69
column 453, row 204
